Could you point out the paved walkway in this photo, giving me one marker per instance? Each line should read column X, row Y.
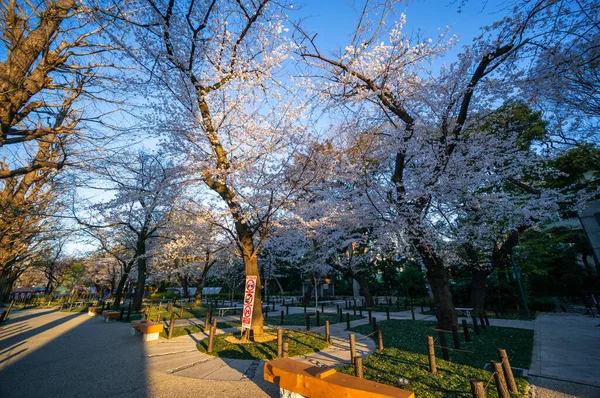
column 566, row 356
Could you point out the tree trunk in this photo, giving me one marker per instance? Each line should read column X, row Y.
column 184, row 285
column 251, row 266
column 364, row 285
column 307, row 294
column 279, row 286
column 478, row 283
column 119, row 290
column 141, row 279
column 440, row 286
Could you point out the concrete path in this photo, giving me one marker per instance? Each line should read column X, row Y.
column 52, row 354
column 179, row 356
column 566, row 356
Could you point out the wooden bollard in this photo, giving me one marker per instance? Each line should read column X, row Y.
column 422, row 309
column 279, row 343
column 211, row 336
column 481, row 320
column 347, row 320
column 181, row 312
column 466, row 330
column 354, row 308
column 412, row 313
column 287, row 309
column 358, row 367
column 487, row 321
column 341, row 314
column 318, row 318
column 207, row 320
column 305, row 308
column 323, row 308
column 455, row 337
column 370, row 317
column 129, row 313
column 477, row 389
column 282, row 317
column 171, row 326
column 160, row 305
column 500, row 380
column 327, row 331
column 508, row 374
column 285, row 349
column 360, row 312
column 374, row 321
column 307, row 322
column 121, row 314
column 352, row 347
column 387, row 313
column 379, row 338
column 272, row 306
column 431, row 355
column 475, row 325
column 445, row 352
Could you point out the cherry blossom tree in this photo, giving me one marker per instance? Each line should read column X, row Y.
column 423, row 123
column 214, row 69
column 145, row 188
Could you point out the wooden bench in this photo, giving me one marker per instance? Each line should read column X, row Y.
column 221, row 311
column 110, row 315
column 150, row 330
column 93, row 311
column 305, row 380
column 465, row 311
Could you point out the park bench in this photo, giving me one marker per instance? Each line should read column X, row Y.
column 465, row 311
column 221, row 311
column 150, row 330
column 110, row 315
column 305, row 380
column 93, row 311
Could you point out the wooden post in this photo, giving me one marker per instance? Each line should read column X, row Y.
column 379, row 338
column 499, row 378
column 347, row 320
column 358, row 367
column 360, row 312
column 466, row 330
column 207, row 321
column 477, row 388
column 412, row 313
column 305, row 308
column 352, row 347
column 282, row 316
column 508, row 374
column 318, row 318
column 481, row 320
column 370, row 317
column 445, row 352
column 287, row 309
column 327, row 331
column 387, row 313
column 431, row 355
column 341, row 314
column 121, row 314
column 171, row 326
column 422, row 309
column 211, row 336
column 285, row 349
column 475, row 326
column 279, row 343
column 181, row 312
column 272, row 306
column 487, row 321
column 129, row 312
column 374, row 320
column 322, row 307
column 354, row 308
column 455, row 337
column 307, row 322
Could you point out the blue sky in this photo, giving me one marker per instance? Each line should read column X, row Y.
column 334, row 20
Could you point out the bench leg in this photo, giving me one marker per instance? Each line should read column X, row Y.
column 283, row 393
column 150, row 336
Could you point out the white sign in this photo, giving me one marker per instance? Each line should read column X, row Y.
column 248, row 301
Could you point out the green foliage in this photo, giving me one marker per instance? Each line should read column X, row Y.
column 163, row 295
column 299, row 343
column 581, row 168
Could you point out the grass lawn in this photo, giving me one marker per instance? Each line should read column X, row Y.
column 405, row 357
column 75, row 309
column 300, row 343
column 452, row 380
column 300, row 319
